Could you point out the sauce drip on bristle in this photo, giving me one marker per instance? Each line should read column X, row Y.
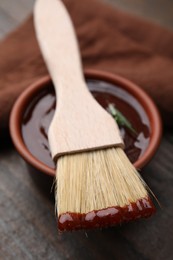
column 106, row 217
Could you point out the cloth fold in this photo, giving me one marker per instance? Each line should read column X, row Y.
column 109, row 40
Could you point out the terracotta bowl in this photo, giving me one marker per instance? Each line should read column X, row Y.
column 145, row 101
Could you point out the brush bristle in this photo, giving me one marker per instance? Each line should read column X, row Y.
column 91, row 181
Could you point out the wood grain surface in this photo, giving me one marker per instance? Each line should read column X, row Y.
column 27, row 222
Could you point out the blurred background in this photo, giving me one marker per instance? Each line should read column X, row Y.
column 159, row 11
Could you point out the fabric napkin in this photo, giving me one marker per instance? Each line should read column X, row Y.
column 109, row 40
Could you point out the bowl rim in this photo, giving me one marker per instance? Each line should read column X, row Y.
column 147, row 103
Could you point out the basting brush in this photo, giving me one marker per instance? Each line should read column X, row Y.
column 97, row 186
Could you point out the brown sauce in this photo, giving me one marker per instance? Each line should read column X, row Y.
column 106, row 217
column 40, row 111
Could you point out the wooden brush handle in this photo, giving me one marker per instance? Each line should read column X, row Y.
column 79, row 122
column 59, row 47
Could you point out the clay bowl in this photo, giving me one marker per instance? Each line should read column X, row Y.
column 24, row 100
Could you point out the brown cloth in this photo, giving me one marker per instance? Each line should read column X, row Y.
column 109, row 40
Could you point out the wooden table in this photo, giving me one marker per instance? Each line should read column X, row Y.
column 27, row 222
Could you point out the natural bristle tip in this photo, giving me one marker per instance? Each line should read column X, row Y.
column 99, row 188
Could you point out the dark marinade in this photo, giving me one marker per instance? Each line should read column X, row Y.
column 38, row 115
